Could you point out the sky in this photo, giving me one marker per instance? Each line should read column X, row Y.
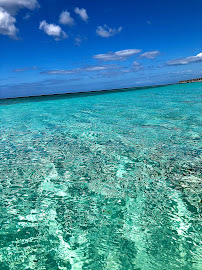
column 60, row 46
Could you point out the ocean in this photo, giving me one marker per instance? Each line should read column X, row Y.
column 108, row 180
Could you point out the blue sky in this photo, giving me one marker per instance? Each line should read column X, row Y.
column 51, row 46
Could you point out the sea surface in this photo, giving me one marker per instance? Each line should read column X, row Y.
column 98, row 181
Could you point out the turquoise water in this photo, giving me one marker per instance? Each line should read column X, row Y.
column 102, row 181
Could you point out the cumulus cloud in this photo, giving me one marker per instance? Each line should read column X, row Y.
column 8, row 9
column 82, row 13
column 12, row 6
column 186, row 60
column 52, row 30
column 7, row 24
column 65, row 18
column 106, row 32
column 78, row 70
column 117, row 56
column 150, row 55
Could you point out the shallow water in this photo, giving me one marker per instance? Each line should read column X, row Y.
column 102, row 181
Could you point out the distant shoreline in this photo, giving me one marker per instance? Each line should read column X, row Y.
column 191, row 80
column 91, row 92
column 97, row 91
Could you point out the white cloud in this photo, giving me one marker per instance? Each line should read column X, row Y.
column 7, row 24
column 78, row 41
column 137, row 66
column 150, row 55
column 127, row 53
column 65, row 18
column 8, row 9
column 13, row 5
column 186, row 60
column 78, row 70
column 95, row 68
column 25, row 69
column 117, row 56
column 105, row 31
column 82, row 13
column 52, row 30
column 60, row 71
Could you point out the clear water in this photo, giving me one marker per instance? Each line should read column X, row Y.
column 102, row 181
